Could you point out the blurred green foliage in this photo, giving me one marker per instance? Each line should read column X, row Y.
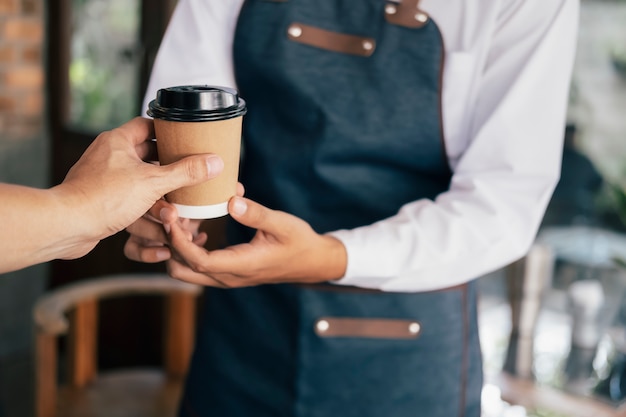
column 105, row 63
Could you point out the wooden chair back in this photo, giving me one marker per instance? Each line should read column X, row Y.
column 72, row 311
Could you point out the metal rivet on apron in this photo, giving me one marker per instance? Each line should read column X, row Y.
column 414, row 328
column 421, row 17
column 295, row 31
column 367, row 45
column 390, row 9
column 322, row 326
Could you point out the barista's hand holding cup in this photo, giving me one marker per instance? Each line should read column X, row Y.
column 192, row 120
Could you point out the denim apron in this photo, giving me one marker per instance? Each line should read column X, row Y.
column 343, row 128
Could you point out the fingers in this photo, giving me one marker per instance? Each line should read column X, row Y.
column 147, row 151
column 182, row 272
column 137, row 130
column 256, row 216
column 164, row 212
column 147, row 242
column 225, row 262
column 201, row 239
column 167, row 215
column 140, row 132
column 138, row 250
column 146, row 229
column 147, row 235
column 188, row 171
column 183, row 243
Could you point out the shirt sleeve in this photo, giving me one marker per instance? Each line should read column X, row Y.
column 196, row 47
column 505, row 176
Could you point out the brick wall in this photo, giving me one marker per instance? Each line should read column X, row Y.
column 24, row 159
column 21, row 69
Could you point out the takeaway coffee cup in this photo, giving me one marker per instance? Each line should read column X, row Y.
column 196, row 119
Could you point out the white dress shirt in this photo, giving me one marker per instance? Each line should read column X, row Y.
column 506, row 80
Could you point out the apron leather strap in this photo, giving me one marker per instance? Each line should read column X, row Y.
column 406, row 13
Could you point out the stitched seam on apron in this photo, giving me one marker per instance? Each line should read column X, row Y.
column 441, row 69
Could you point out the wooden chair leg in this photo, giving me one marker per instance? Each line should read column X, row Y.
column 83, row 343
column 180, row 319
column 45, row 375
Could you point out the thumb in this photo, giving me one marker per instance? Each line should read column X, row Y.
column 254, row 215
column 189, row 171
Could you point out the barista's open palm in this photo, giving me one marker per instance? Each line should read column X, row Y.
column 284, row 249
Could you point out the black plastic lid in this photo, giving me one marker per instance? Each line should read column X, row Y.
column 197, row 103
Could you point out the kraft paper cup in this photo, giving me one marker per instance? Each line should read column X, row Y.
column 191, row 120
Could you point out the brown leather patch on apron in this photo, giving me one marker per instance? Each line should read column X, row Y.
column 331, row 41
column 406, row 13
column 367, row 327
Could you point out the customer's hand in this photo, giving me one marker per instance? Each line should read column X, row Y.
column 111, row 186
column 148, row 241
column 284, row 249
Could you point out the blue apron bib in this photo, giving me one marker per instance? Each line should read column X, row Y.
column 343, row 128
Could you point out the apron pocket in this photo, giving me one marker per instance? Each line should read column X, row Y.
column 364, row 327
column 380, row 354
